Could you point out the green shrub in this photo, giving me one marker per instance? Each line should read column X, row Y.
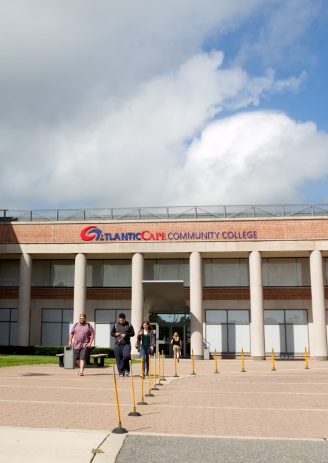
column 48, row 350
column 104, row 350
column 17, row 350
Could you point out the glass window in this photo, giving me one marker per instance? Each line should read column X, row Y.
column 274, row 317
column 282, row 272
column 297, row 317
column 150, row 269
column 68, row 316
column 94, row 273
column 168, row 269
column 52, row 315
column 303, row 272
column 225, row 272
column 244, row 272
column 4, row 315
column 5, row 333
column 238, row 316
column 9, row 272
column 8, row 327
column 56, row 326
column 105, row 316
column 117, row 273
column 62, row 273
column 216, row 316
column 184, row 271
column 207, row 272
column 325, row 270
column 265, row 272
column 40, row 273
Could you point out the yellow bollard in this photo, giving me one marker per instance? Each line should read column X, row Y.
column 306, row 359
column 193, row 362
column 154, row 388
column 142, row 385
column 175, row 368
column 149, row 379
column 242, row 362
column 273, row 363
column 134, row 412
column 216, row 362
column 159, row 369
column 163, row 379
column 118, row 430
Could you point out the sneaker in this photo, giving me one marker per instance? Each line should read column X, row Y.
column 121, row 375
column 127, row 373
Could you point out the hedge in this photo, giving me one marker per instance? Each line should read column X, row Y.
column 47, row 350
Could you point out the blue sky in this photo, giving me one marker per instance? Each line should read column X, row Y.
column 105, row 104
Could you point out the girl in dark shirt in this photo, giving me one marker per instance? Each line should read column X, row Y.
column 146, row 341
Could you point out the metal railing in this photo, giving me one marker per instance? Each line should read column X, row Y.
column 164, row 213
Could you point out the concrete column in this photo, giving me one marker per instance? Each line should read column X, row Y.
column 80, row 285
column 257, row 310
column 24, row 300
column 137, row 301
column 196, row 305
column 318, row 306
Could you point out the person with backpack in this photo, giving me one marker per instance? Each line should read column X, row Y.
column 122, row 332
column 83, row 334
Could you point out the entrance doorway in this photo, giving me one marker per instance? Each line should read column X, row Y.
column 168, row 324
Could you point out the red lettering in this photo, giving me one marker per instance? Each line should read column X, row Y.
column 143, row 237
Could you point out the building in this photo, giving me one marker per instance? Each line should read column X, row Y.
column 227, row 277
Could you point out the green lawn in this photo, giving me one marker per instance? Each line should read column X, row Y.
column 15, row 360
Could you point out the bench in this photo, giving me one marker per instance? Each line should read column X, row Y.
column 98, row 359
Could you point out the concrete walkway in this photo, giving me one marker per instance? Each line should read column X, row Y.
column 52, row 414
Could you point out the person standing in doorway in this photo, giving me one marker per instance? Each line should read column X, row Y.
column 177, row 345
column 146, row 343
column 122, row 332
column 83, row 335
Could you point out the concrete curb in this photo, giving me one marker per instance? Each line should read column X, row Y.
column 110, row 447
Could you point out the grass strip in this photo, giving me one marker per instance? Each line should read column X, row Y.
column 17, row 360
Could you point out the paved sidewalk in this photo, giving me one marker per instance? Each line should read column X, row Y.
column 69, row 415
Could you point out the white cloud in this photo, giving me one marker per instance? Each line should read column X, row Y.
column 251, row 158
column 130, row 154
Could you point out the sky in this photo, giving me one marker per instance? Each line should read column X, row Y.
column 176, row 103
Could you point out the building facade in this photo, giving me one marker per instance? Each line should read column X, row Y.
column 224, row 282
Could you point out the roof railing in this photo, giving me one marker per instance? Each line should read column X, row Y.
column 165, row 213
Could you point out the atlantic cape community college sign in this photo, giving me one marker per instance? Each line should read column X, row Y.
column 92, row 233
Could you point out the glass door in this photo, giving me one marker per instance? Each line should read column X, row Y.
column 168, row 324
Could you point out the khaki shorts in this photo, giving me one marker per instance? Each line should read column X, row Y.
column 176, row 348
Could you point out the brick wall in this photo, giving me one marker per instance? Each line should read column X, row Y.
column 125, row 293
column 278, row 229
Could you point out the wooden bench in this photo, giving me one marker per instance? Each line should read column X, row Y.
column 98, row 359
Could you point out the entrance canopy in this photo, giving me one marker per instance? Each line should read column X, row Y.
column 164, row 296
